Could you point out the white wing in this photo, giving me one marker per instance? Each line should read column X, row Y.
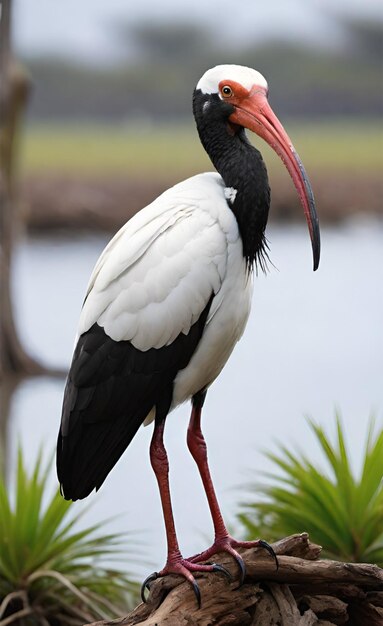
column 156, row 276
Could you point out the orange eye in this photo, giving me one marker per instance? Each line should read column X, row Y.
column 227, row 91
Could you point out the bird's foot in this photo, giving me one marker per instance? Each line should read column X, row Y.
column 185, row 568
column 229, row 544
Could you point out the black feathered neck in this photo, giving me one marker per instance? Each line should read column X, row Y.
column 242, row 169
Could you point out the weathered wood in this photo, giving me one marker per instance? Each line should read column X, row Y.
column 304, row 591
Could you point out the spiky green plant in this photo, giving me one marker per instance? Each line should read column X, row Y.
column 342, row 513
column 51, row 573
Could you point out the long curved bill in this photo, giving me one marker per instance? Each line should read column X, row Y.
column 254, row 112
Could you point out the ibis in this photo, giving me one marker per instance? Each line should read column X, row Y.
column 168, row 300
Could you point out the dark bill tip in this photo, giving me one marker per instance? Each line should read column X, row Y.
column 313, row 223
column 311, row 214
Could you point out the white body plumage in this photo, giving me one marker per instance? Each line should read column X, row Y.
column 157, row 274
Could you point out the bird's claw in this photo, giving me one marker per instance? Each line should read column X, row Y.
column 229, row 544
column 155, row 575
column 242, row 567
column 241, row 564
column 146, row 584
column 222, row 570
column 196, row 590
column 270, row 550
column 183, row 570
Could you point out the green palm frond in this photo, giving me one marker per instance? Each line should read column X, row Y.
column 342, row 513
column 51, row 573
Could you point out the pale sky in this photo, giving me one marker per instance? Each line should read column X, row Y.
column 84, row 28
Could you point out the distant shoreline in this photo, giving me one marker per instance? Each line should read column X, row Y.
column 54, row 202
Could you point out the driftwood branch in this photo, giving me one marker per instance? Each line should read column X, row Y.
column 304, row 591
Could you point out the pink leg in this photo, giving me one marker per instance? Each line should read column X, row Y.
column 223, row 542
column 175, row 563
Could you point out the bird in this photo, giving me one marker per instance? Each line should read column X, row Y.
column 167, row 302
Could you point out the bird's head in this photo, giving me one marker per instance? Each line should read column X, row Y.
column 239, row 94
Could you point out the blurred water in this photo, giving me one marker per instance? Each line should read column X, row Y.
column 314, row 343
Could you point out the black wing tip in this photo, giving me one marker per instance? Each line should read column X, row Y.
column 71, row 495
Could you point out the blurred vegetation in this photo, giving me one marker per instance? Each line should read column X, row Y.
column 97, row 176
column 341, row 512
column 50, row 572
column 164, row 61
column 174, row 150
